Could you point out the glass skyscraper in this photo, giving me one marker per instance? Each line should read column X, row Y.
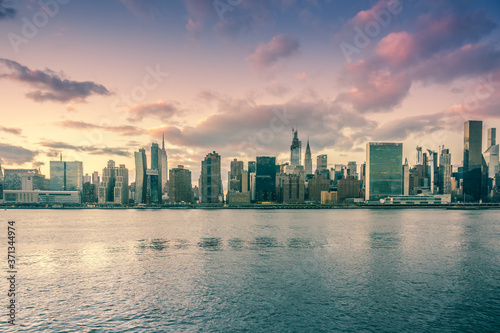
column 384, row 170
column 265, row 179
column 66, row 176
column 156, row 189
column 140, row 176
column 475, row 169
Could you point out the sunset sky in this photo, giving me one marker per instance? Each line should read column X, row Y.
column 97, row 80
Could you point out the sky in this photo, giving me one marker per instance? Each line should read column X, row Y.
column 97, row 80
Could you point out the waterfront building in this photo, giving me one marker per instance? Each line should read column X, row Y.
column 113, row 189
column 316, row 185
column 265, row 179
column 235, row 176
column 491, row 154
column 406, row 178
column 293, row 188
column 329, row 197
column 433, row 171
column 66, row 176
column 445, row 171
column 24, row 179
column 156, row 158
column 164, row 166
column 180, row 189
column 140, row 177
column 89, row 193
column 347, row 188
column 475, row 168
column 42, row 197
column 210, row 181
column 384, row 172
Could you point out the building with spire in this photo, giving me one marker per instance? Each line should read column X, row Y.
column 308, row 160
column 295, row 150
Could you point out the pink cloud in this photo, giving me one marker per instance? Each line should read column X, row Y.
column 267, row 55
column 397, row 48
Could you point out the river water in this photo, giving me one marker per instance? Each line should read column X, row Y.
column 254, row 270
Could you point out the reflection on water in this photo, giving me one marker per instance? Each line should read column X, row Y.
column 312, row 270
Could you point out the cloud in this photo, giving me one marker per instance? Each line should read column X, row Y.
column 10, row 154
column 11, row 130
column 268, row 55
column 50, row 85
column 81, row 125
column 92, row 150
column 6, row 11
column 401, row 129
column 442, row 47
column 142, row 9
column 245, row 127
column 71, row 107
column 374, row 90
column 160, row 110
column 276, row 89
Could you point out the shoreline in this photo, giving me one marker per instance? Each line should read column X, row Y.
column 470, row 206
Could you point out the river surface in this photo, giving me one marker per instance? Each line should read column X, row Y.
column 254, row 270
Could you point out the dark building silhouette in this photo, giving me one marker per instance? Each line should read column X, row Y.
column 265, row 179
column 475, row 169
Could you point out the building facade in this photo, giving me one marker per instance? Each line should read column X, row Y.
column 211, row 181
column 265, row 179
column 179, row 187
column 475, row 168
column 140, row 176
column 384, row 171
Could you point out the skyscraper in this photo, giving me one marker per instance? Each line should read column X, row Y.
column 235, row 176
column 295, row 150
column 352, row 169
column 265, row 179
column 251, row 166
column 164, row 165
column 211, row 181
column 114, row 185
column 491, row 157
column 384, row 171
column 156, row 189
column 420, row 156
column 322, row 166
column 308, row 160
column 475, row 169
column 66, row 176
column 492, row 137
column 433, row 171
column 180, row 185
column 140, row 176
column 445, row 171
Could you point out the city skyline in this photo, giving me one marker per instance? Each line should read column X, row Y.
column 266, row 67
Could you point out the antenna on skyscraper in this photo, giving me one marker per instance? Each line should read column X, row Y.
column 60, row 157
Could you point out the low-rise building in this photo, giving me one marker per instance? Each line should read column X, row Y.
column 42, row 197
